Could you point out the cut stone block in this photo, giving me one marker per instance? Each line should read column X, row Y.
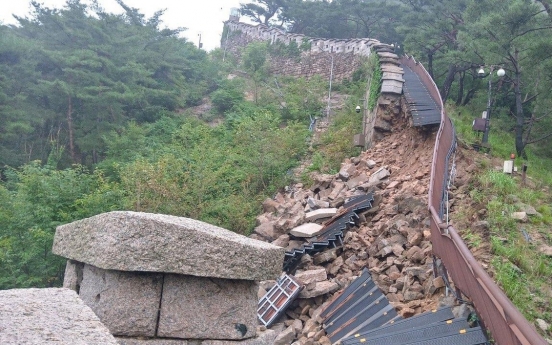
column 312, row 276
column 126, row 302
column 320, row 213
column 263, row 338
column 321, row 288
column 136, row 241
column 208, row 308
column 73, row 275
column 49, row 316
column 315, row 204
column 154, row 341
column 307, row 230
column 354, row 182
column 379, row 175
column 336, row 190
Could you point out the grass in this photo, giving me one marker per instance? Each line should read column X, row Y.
column 518, row 267
column 502, row 145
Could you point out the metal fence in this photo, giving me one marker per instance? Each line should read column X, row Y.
column 504, row 321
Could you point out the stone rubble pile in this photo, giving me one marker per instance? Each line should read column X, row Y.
column 393, row 239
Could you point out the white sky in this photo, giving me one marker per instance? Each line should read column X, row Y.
column 203, row 17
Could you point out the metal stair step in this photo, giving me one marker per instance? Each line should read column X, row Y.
column 364, row 297
column 346, row 326
column 449, row 327
column 427, row 318
column 470, row 336
column 346, row 294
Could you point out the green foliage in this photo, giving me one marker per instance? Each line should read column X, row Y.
column 229, row 94
column 375, row 82
column 247, row 161
column 517, row 265
column 289, row 50
column 302, row 98
column 40, row 198
column 502, row 144
column 107, row 70
column 335, row 143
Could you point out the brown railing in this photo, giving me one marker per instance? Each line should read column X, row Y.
column 505, row 323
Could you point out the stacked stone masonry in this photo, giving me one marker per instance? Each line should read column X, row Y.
column 346, row 55
column 166, row 278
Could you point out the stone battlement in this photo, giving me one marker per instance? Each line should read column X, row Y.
column 261, row 32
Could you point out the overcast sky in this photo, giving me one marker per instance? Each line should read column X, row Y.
column 203, row 17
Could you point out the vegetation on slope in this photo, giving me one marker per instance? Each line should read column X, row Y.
column 510, row 249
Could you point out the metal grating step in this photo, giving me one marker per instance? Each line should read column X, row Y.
column 346, row 294
column 434, row 316
column 470, row 336
column 449, row 327
column 378, row 308
column 361, row 299
column 424, row 109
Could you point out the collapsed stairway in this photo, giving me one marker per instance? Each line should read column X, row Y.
column 361, row 314
column 332, row 233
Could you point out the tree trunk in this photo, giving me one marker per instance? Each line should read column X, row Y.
column 520, row 118
column 445, row 90
column 469, row 96
column 430, row 64
column 70, row 128
column 460, row 94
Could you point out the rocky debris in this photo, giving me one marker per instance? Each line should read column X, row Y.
column 45, row 316
column 481, row 225
column 546, row 250
column 392, row 239
column 543, row 325
column 520, row 216
column 136, row 241
column 528, row 209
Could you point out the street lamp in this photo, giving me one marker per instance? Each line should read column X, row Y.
column 481, row 74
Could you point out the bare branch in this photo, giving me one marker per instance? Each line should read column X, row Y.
column 539, row 139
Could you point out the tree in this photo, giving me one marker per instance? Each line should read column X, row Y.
column 263, row 11
column 254, row 62
column 84, row 73
column 510, row 34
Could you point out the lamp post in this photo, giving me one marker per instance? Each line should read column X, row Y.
column 358, row 108
column 481, row 74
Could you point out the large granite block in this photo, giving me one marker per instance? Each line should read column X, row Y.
column 208, row 308
column 126, row 302
column 263, row 338
column 73, row 275
column 49, row 316
column 136, row 241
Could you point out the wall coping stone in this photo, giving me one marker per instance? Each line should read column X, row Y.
column 147, row 242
